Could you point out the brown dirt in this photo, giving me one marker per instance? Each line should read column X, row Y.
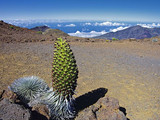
column 129, row 70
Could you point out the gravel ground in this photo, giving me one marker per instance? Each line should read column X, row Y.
column 129, row 70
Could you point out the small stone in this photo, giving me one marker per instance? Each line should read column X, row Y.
column 11, row 96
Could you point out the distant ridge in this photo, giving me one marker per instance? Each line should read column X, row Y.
column 48, row 31
column 136, row 32
column 53, row 32
column 40, row 28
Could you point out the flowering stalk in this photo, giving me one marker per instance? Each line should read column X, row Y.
column 64, row 81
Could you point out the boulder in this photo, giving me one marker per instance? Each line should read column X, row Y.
column 105, row 108
column 11, row 111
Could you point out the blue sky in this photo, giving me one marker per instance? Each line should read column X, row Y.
column 116, row 10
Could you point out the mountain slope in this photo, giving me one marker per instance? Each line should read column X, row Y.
column 137, row 32
column 12, row 33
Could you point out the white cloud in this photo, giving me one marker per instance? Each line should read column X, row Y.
column 59, row 25
column 87, row 34
column 70, row 25
column 108, row 24
column 150, row 25
column 46, row 25
column 118, row 29
column 88, row 23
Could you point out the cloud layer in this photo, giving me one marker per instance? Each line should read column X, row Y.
column 94, row 33
column 87, row 34
column 150, row 25
column 108, row 24
column 70, row 25
column 58, row 25
column 118, row 29
column 87, row 23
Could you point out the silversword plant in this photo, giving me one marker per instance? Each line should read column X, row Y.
column 59, row 99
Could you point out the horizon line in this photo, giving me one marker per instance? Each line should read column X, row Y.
column 75, row 20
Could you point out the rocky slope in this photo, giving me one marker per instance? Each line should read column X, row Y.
column 11, row 33
column 136, row 32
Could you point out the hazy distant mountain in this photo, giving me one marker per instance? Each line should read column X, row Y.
column 48, row 31
column 40, row 28
column 53, row 32
column 137, row 32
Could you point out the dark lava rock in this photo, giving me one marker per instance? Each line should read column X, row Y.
column 11, row 108
column 11, row 111
column 104, row 109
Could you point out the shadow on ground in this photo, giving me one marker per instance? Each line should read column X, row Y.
column 122, row 109
column 37, row 116
column 90, row 98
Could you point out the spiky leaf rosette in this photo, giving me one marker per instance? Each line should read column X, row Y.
column 60, row 108
column 65, row 71
column 29, row 88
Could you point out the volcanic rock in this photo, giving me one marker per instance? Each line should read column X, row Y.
column 104, row 109
column 11, row 111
